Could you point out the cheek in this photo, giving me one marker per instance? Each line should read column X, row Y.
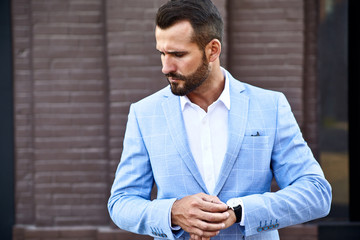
column 189, row 65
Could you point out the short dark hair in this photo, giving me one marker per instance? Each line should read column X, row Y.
column 203, row 16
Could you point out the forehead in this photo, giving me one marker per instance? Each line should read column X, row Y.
column 177, row 36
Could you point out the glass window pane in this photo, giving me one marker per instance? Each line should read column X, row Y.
column 333, row 78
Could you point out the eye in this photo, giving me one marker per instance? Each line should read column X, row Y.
column 179, row 54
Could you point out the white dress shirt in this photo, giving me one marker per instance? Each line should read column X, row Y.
column 208, row 137
column 208, row 134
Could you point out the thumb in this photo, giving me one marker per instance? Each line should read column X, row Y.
column 213, row 199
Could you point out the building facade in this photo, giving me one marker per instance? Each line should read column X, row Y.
column 78, row 64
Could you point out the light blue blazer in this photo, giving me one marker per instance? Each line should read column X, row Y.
column 156, row 150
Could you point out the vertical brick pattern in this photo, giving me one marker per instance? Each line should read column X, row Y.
column 222, row 7
column 23, row 92
column 311, row 101
column 267, row 46
column 70, row 178
column 134, row 63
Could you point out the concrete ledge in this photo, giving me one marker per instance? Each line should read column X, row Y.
column 30, row 232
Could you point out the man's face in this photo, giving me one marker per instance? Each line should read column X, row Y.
column 184, row 64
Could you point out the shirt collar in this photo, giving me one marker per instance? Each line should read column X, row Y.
column 224, row 96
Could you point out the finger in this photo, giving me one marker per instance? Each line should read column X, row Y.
column 210, row 198
column 209, row 203
column 203, row 235
column 208, row 229
column 214, row 217
column 213, row 207
column 193, row 237
column 213, row 204
column 205, row 229
column 196, row 237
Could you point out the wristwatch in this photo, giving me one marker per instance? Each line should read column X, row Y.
column 236, row 205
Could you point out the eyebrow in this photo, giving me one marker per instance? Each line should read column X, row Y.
column 173, row 52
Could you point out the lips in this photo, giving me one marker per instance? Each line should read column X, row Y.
column 174, row 77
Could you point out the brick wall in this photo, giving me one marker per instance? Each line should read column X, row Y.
column 311, row 93
column 23, row 97
column 67, row 108
column 273, row 45
column 133, row 64
column 267, row 38
column 78, row 64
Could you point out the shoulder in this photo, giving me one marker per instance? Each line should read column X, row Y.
column 157, row 96
column 261, row 93
column 255, row 94
column 152, row 102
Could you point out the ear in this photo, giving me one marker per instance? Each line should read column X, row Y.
column 213, row 50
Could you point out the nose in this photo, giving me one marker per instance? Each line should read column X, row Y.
column 168, row 65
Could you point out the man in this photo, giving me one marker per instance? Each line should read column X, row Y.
column 212, row 145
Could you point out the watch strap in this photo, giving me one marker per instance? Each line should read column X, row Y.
column 238, row 213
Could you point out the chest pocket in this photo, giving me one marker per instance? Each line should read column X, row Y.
column 257, row 152
column 255, row 143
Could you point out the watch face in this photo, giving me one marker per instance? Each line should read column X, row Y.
column 233, row 202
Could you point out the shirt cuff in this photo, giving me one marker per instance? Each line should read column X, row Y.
column 242, row 213
column 173, row 228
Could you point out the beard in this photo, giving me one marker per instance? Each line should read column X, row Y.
column 190, row 82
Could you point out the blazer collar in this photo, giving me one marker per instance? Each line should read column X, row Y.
column 173, row 114
column 238, row 115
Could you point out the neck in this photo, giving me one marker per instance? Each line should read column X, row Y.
column 210, row 90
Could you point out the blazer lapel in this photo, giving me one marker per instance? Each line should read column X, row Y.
column 174, row 119
column 237, row 123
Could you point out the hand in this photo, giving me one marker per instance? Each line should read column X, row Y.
column 196, row 237
column 231, row 219
column 201, row 215
column 228, row 222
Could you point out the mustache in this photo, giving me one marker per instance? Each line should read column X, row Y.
column 175, row 76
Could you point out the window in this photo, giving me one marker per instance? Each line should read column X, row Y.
column 333, row 85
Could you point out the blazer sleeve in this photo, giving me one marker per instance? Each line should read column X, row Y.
column 305, row 194
column 129, row 204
